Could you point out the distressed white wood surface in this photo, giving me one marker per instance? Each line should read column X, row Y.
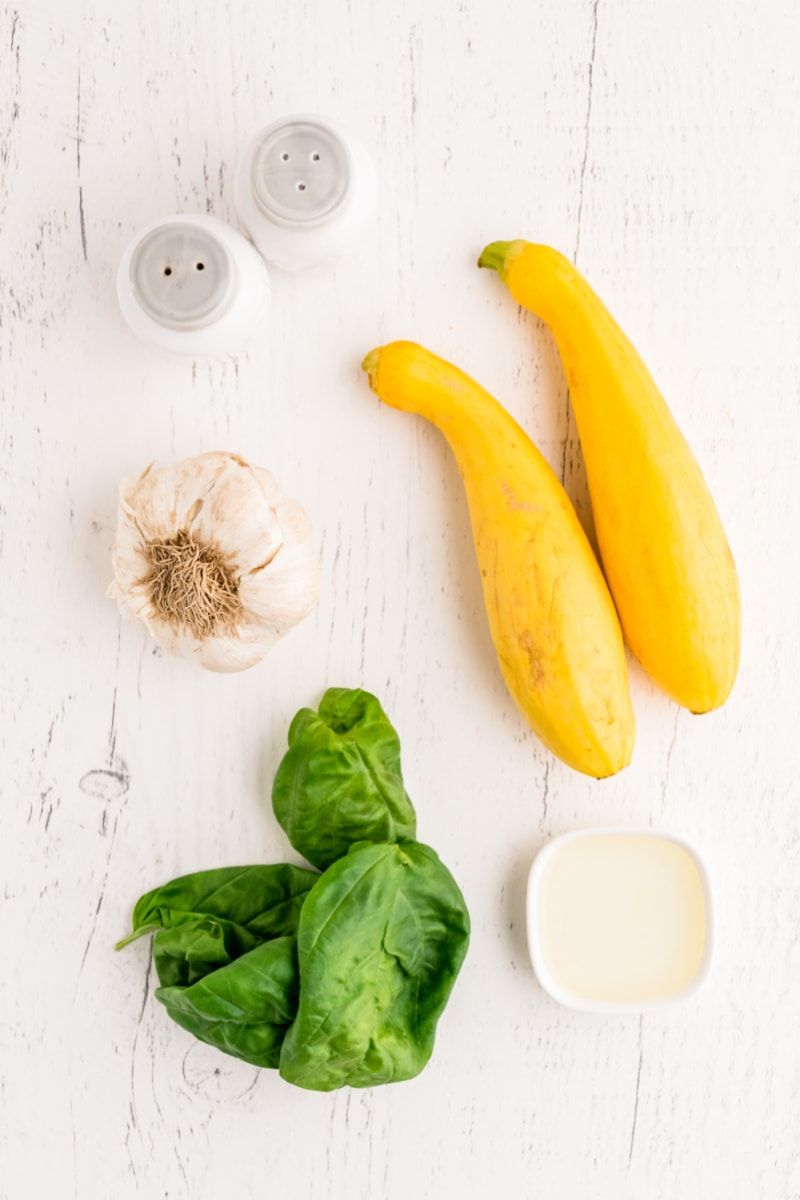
column 658, row 144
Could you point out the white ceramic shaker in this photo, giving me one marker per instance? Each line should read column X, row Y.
column 305, row 188
column 191, row 285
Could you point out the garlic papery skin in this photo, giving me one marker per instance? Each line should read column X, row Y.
column 214, row 560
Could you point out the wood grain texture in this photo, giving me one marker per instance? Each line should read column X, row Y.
column 657, row 144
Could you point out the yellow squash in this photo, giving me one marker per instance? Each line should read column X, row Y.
column 551, row 617
column 664, row 551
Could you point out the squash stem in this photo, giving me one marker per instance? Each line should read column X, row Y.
column 370, row 365
column 494, row 256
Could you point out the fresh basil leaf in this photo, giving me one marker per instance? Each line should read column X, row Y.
column 340, row 780
column 382, row 936
column 244, row 1008
column 208, row 919
column 186, row 952
column 261, row 899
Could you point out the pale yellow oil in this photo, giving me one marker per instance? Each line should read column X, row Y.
column 622, row 917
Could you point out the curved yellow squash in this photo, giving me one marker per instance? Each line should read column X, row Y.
column 552, row 619
column 664, row 551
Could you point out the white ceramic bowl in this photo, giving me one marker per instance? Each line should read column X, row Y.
column 614, row 925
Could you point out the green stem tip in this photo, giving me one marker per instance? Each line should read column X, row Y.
column 137, row 933
column 370, row 362
column 495, row 256
column 370, row 365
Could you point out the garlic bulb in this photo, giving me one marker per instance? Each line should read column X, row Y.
column 214, row 559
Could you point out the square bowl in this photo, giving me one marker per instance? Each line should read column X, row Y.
column 620, row 919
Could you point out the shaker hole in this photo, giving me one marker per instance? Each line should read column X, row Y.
column 199, row 266
column 167, row 271
column 284, row 157
column 315, row 157
column 301, row 187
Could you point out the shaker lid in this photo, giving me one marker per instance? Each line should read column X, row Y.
column 182, row 276
column 301, row 172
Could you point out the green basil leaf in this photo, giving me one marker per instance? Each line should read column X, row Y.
column 185, row 953
column 262, row 899
column 208, row 919
column 340, row 780
column 244, row 1008
column 382, row 936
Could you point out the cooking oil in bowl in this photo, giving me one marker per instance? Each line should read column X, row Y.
column 619, row 919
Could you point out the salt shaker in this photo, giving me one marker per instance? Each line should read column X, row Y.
column 191, row 285
column 304, row 189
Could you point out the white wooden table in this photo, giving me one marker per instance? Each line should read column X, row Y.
column 658, row 145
